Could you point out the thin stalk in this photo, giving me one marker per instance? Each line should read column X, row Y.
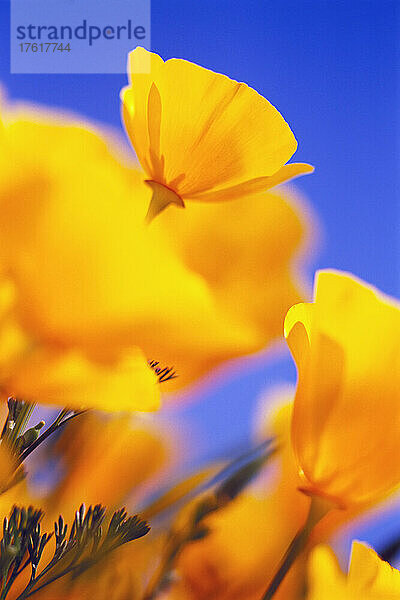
column 4, row 592
column 318, row 509
column 30, row 590
column 63, row 413
column 9, row 584
column 59, row 422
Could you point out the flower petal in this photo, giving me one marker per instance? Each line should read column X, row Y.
column 72, row 380
column 255, row 186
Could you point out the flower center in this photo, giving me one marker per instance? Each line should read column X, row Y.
column 161, row 198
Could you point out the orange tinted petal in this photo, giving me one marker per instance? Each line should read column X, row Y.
column 103, row 460
column 347, row 416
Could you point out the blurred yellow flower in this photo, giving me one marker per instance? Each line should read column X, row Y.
column 68, row 378
column 245, row 543
column 88, row 288
column 346, row 420
column 251, row 252
column 104, row 460
column 369, row 577
column 80, row 253
column 58, row 184
column 120, row 576
column 202, row 136
column 248, row 537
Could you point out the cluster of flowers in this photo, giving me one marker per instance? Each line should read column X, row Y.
column 103, row 283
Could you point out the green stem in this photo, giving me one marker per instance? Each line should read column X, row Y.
column 30, row 590
column 3, row 587
column 161, row 198
column 318, row 509
column 6, row 588
column 59, row 422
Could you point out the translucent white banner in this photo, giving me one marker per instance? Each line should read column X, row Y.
column 76, row 36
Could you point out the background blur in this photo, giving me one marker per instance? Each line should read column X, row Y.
column 332, row 68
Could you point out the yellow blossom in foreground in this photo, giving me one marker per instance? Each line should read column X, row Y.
column 69, row 378
column 202, row 136
column 249, row 536
column 90, row 292
column 369, row 577
column 244, row 546
column 118, row 577
column 37, row 370
column 346, row 421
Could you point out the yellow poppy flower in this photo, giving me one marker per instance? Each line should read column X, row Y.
column 93, row 288
column 104, row 460
column 346, row 419
column 202, row 136
column 40, row 371
column 369, row 577
column 277, row 404
column 71, row 379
